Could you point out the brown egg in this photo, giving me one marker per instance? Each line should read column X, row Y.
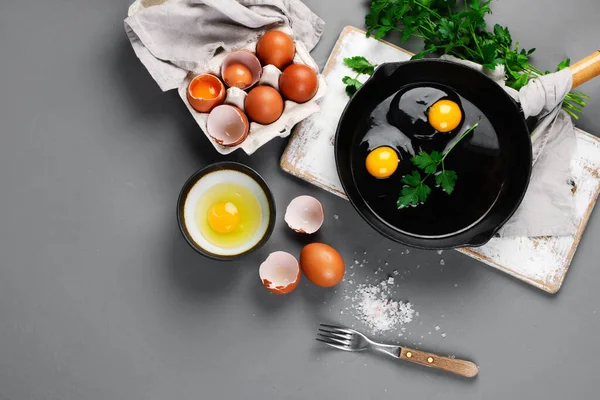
column 238, row 75
column 276, row 48
column 298, row 83
column 264, row 105
column 322, row 264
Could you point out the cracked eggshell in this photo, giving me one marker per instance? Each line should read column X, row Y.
column 280, row 272
column 248, row 60
column 227, row 125
column 304, row 214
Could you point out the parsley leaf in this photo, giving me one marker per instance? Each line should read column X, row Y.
column 427, row 162
column 352, row 84
column 447, row 30
column 502, row 35
column 412, row 180
column 360, row 65
column 564, row 64
column 447, row 180
column 415, row 191
column 489, row 52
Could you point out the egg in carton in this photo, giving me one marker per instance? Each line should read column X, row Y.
column 260, row 134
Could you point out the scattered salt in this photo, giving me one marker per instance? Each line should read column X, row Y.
column 407, row 251
column 417, row 313
column 440, row 251
column 356, row 262
column 374, row 306
column 336, row 217
column 396, row 272
column 443, row 335
column 442, row 262
column 387, row 263
column 437, row 328
column 351, row 282
column 390, row 281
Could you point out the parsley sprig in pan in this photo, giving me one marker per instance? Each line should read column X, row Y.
column 415, row 190
column 459, row 29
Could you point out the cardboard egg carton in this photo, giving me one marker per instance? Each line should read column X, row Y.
column 260, row 134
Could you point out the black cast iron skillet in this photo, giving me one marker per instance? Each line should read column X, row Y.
column 439, row 225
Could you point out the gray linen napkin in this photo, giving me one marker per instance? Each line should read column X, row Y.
column 178, row 37
column 548, row 208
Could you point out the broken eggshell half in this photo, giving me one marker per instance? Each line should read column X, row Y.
column 248, row 60
column 227, row 125
column 280, row 272
column 304, row 214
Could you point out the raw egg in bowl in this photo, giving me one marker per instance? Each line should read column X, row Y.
column 226, row 210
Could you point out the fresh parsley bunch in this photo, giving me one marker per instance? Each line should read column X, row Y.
column 461, row 31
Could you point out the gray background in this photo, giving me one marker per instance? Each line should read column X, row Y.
column 101, row 298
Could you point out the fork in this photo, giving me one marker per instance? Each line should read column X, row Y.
column 351, row 340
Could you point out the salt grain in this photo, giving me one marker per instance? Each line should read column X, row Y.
column 442, row 262
column 336, row 217
column 437, row 328
column 440, row 251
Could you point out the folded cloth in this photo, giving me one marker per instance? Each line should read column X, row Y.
column 548, row 208
column 181, row 36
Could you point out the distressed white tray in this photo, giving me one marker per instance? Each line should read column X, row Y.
column 542, row 262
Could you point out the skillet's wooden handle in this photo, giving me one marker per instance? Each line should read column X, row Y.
column 459, row 367
column 586, row 69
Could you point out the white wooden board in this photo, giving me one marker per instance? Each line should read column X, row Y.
column 542, row 262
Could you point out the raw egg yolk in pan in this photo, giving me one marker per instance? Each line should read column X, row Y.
column 445, row 116
column 223, row 217
column 382, row 162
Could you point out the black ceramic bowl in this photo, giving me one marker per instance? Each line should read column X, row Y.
column 218, row 173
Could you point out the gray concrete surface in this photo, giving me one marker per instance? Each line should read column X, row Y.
column 101, row 298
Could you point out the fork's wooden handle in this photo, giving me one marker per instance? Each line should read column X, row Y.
column 459, row 367
column 586, row 69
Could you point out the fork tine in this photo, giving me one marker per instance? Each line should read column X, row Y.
column 344, row 342
column 334, row 345
column 337, row 328
column 342, row 335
